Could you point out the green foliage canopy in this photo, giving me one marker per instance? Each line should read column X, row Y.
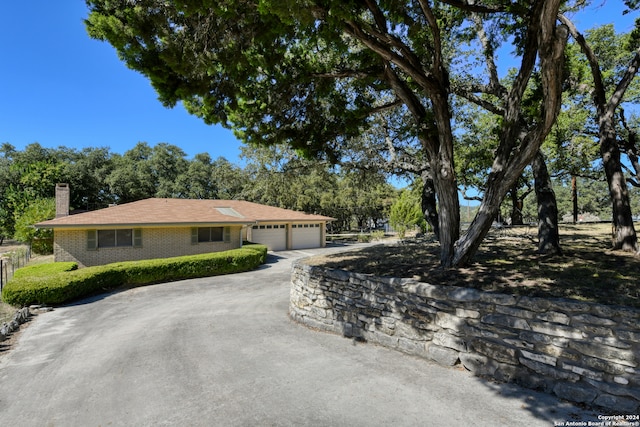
column 406, row 213
column 312, row 75
column 37, row 211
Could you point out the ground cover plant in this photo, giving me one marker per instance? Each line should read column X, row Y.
column 507, row 262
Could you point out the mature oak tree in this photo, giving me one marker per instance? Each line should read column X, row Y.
column 312, row 74
column 607, row 96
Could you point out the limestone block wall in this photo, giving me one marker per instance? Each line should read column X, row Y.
column 582, row 352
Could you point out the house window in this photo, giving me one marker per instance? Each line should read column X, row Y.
column 115, row 238
column 119, row 238
column 269, row 227
column 210, row 234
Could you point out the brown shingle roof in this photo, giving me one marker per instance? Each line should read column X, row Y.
column 181, row 212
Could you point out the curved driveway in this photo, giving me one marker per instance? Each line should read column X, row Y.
column 222, row 351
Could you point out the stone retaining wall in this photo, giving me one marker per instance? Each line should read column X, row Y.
column 582, row 352
column 20, row 317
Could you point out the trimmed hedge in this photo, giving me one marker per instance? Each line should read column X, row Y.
column 60, row 287
column 43, row 270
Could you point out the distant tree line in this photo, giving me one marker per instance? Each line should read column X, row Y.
column 274, row 176
column 359, row 198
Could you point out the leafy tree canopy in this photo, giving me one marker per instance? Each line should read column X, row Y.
column 315, row 75
column 37, row 211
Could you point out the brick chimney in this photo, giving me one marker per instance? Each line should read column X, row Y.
column 62, row 200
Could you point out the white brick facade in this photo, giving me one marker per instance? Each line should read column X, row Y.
column 71, row 245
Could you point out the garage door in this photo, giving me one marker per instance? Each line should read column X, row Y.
column 306, row 236
column 274, row 237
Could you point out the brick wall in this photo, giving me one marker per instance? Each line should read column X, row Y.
column 582, row 352
column 71, row 245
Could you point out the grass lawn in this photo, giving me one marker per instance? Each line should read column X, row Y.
column 507, row 262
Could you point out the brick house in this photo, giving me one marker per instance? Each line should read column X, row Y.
column 162, row 228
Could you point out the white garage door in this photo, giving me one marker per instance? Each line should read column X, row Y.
column 306, row 236
column 274, row 237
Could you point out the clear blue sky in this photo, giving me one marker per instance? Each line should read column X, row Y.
column 59, row 87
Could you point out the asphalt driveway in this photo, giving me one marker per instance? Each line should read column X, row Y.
column 222, row 351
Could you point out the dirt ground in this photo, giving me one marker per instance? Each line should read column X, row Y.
column 10, row 246
column 508, row 262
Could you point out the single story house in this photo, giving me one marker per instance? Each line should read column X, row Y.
column 162, row 228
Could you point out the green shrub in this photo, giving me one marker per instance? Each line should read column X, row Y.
column 43, row 270
column 42, row 246
column 364, row 238
column 377, row 235
column 62, row 286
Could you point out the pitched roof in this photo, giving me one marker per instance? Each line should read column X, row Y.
column 180, row 212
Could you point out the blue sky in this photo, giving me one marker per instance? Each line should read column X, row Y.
column 58, row 87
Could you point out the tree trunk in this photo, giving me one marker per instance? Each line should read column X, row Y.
column 429, row 209
column 574, row 197
column 516, row 205
column 448, row 206
column 442, row 166
column 624, row 234
column 517, row 149
column 548, row 236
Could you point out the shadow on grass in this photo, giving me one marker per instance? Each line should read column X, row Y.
column 587, row 271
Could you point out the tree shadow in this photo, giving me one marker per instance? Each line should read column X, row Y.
column 543, row 406
column 405, row 315
column 359, row 324
column 587, row 271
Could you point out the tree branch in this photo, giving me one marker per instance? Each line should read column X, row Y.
column 463, row 191
column 344, row 74
column 400, row 162
column 624, row 83
column 382, row 34
column 435, row 32
column 633, row 182
column 478, row 8
column 607, row 107
column 387, row 106
column 470, row 96
column 411, row 66
column 599, row 92
column 630, row 145
column 494, row 81
column 378, row 16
